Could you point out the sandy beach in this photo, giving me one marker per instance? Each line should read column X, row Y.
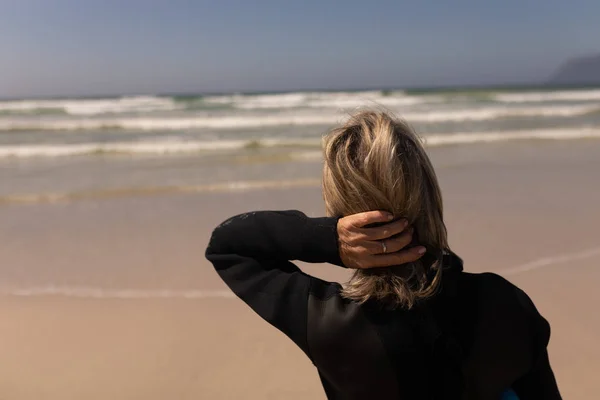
column 111, row 298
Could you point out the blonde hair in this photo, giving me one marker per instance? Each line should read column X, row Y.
column 376, row 162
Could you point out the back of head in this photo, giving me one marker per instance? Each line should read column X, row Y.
column 376, row 162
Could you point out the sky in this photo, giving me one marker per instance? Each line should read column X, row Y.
column 99, row 47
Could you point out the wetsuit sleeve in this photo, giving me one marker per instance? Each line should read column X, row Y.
column 539, row 383
column 252, row 252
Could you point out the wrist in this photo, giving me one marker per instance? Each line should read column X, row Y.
column 322, row 241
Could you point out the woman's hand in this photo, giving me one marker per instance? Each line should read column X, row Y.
column 370, row 247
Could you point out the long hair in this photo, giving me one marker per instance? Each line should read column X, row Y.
column 376, row 162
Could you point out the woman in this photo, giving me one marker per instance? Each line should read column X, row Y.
column 410, row 324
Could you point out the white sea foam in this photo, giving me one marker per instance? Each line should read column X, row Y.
column 488, row 137
column 346, row 100
column 175, row 146
column 320, row 100
column 148, row 147
column 560, row 95
column 140, row 104
column 278, row 119
column 499, row 112
column 166, row 123
column 284, row 100
column 552, row 260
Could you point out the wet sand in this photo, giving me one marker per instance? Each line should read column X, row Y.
column 528, row 211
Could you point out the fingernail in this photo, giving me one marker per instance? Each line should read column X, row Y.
column 404, row 223
column 421, row 250
column 390, row 217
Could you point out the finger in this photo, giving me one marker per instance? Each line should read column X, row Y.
column 372, row 247
column 398, row 258
column 385, row 231
column 369, row 217
column 392, row 244
column 399, row 242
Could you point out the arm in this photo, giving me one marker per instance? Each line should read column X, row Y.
column 251, row 251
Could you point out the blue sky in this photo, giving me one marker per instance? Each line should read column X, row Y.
column 94, row 47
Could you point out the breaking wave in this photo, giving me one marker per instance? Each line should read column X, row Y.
column 285, row 101
column 140, row 104
column 280, row 119
column 321, row 100
column 159, row 147
column 148, row 147
column 560, row 95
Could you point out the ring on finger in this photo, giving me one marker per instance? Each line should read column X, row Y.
column 383, row 247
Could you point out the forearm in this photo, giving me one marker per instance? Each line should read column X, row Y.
column 251, row 253
column 277, row 235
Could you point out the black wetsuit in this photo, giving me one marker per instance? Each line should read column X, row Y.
column 478, row 336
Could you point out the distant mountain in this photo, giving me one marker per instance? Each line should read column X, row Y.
column 578, row 71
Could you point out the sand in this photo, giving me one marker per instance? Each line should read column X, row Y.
column 528, row 211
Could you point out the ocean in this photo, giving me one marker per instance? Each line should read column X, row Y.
column 52, row 149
